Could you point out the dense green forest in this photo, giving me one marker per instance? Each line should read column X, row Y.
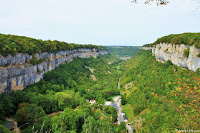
column 123, row 51
column 156, row 97
column 12, row 44
column 160, row 97
column 66, row 89
column 185, row 38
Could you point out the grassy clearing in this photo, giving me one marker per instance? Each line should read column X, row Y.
column 129, row 112
column 66, row 93
column 118, row 69
column 129, row 91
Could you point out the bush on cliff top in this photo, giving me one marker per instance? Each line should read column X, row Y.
column 148, row 45
column 12, row 44
column 185, row 38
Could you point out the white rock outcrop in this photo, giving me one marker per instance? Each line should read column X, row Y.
column 175, row 53
column 147, row 48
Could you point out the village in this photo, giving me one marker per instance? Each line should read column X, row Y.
column 121, row 115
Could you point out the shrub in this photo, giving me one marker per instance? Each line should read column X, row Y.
column 34, row 61
column 198, row 71
column 186, row 52
column 41, row 60
column 38, row 71
column 168, row 63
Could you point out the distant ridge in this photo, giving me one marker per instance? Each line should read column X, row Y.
column 122, row 46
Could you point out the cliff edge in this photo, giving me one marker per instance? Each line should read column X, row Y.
column 16, row 72
column 181, row 55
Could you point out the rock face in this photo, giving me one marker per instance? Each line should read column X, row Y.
column 175, row 53
column 147, row 48
column 16, row 72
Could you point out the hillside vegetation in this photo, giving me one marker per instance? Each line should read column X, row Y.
column 156, row 97
column 185, row 38
column 66, row 89
column 163, row 97
column 12, row 44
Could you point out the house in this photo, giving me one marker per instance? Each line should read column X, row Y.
column 87, row 100
column 9, row 125
column 125, row 118
column 92, row 101
column 107, row 103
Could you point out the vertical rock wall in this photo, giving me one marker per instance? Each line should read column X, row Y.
column 175, row 53
column 16, row 72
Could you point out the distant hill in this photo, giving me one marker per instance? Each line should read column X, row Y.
column 123, row 51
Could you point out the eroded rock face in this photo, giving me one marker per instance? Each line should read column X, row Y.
column 175, row 53
column 16, row 72
column 147, row 48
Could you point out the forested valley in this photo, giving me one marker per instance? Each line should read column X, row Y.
column 66, row 89
column 156, row 97
column 99, row 66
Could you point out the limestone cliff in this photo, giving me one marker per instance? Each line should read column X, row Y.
column 147, row 48
column 177, row 54
column 16, row 72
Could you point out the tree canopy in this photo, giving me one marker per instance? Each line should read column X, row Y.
column 12, row 44
column 163, row 97
column 65, row 90
column 185, row 38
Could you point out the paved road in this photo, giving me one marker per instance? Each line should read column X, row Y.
column 119, row 113
column 129, row 128
column 120, row 117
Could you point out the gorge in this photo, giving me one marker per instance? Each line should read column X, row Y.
column 46, row 77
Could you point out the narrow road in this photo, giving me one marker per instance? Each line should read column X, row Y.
column 120, row 117
column 55, row 113
column 129, row 128
column 15, row 124
column 119, row 84
column 119, row 110
column 119, row 113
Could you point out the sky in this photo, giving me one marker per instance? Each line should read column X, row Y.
column 98, row 22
